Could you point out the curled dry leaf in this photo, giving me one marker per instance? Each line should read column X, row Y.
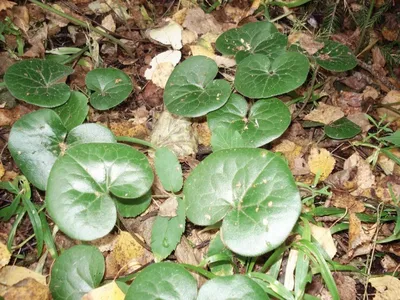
column 168, row 208
column 387, row 287
column 388, row 264
column 321, row 162
column 325, row 114
column 365, row 179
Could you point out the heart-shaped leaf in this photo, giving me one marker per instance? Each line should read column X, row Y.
column 191, row 90
column 37, row 139
column 131, row 208
column 83, row 182
column 252, row 191
column 342, row 129
column 266, row 120
column 37, row 82
column 235, row 287
column 163, row 280
column 335, row 57
column 246, row 38
column 168, row 169
column 77, row 271
column 110, row 86
column 166, row 232
column 259, row 77
column 74, row 111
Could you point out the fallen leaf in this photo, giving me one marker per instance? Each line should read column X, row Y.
column 20, row 17
column 198, row 21
column 345, row 200
column 387, row 287
column 188, row 37
column 308, row 43
column 9, row 116
column 324, row 238
column 388, row 263
column 176, row 133
column 179, row 16
column 360, row 236
column 2, row 172
column 168, row 208
column 27, row 288
column 356, row 81
column 171, row 56
column 321, row 162
column 5, row 4
column 325, row 114
column 361, row 120
column 203, row 133
column 56, row 20
column 5, row 255
column 109, row 291
column 343, row 180
column 370, row 92
column 109, row 23
column 379, row 62
column 346, row 286
column 37, row 42
column 171, row 34
column 10, row 275
column 391, row 97
column 128, row 128
column 292, row 152
column 365, row 179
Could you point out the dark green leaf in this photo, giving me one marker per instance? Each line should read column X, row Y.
column 168, row 169
column 335, row 57
column 220, row 268
column 74, row 111
column 342, row 129
column 131, row 208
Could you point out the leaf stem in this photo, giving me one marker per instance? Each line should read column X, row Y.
column 133, row 140
column 199, row 270
column 83, row 24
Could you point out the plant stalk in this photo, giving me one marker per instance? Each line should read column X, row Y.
column 135, row 141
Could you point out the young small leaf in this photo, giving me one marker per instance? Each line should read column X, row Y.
column 252, row 191
column 110, row 86
column 163, row 280
column 235, row 287
column 191, row 90
column 168, row 169
column 394, row 138
column 342, row 129
column 37, row 82
column 166, row 232
column 259, row 77
column 74, row 111
column 267, row 120
column 335, row 57
column 77, row 271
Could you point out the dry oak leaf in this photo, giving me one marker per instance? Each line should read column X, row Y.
column 321, row 162
column 110, row 291
column 5, row 4
column 325, row 114
column 5, row 255
column 28, row 288
column 365, row 179
column 387, row 287
column 324, row 238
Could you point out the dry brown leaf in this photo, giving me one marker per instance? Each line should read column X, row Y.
column 292, row 153
column 308, row 43
column 361, row 120
column 343, row 180
column 5, row 4
column 321, row 162
column 5, row 255
column 128, row 128
column 387, row 287
column 365, row 178
column 21, row 17
column 325, row 114
column 10, row 275
column 391, row 97
column 9, row 116
column 324, row 238
column 168, row 208
column 388, row 263
column 379, row 62
column 370, row 92
column 345, row 200
column 37, row 43
column 109, row 291
column 198, row 21
column 360, row 236
column 346, row 286
column 28, row 288
column 203, row 133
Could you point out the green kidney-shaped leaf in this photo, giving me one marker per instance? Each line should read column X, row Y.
column 168, row 169
column 335, row 57
column 90, row 133
column 252, row 191
column 74, row 111
column 191, row 90
column 394, row 138
column 259, row 77
column 166, row 232
column 163, row 280
column 342, row 129
column 76, row 272
column 235, row 287
column 110, row 86
column 37, row 82
column 34, row 144
column 246, row 38
column 82, row 184
column 131, row 208
column 267, row 120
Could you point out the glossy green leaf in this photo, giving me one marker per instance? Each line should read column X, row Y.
column 83, row 182
column 252, row 191
column 110, row 87
column 37, row 82
column 259, row 77
column 235, row 287
column 163, row 280
column 246, row 38
column 166, row 232
column 266, row 121
column 74, row 111
column 130, row 208
column 77, row 271
column 37, row 139
column 220, row 268
column 191, row 90
column 394, row 138
column 90, row 133
column 34, row 144
column 342, row 129
column 335, row 57
column 168, row 169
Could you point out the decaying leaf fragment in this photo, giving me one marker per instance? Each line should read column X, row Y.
column 364, row 177
column 387, row 287
column 360, row 236
column 5, row 255
column 325, row 114
column 321, row 162
column 324, row 238
column 109, row 291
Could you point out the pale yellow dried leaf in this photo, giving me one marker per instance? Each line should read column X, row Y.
column 179, row 16
column 5, row 255
column 126, row 249
column 188, row 37
column 290, row 268
column 27, row 288
column 324, row 238
column 161, row 74
column 203, row 133
column 171, row 34
column 289, row 149
column 109, row 23
column 5, row 4
column 10, row 275
column 110, row 291
column 325, row 114
column 387, row 287
column 172, row 57
column 321, row 162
